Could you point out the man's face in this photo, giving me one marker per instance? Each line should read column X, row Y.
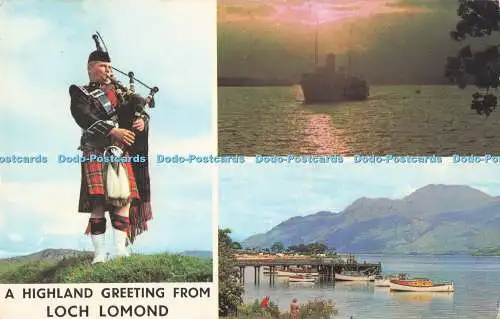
column 101, row 71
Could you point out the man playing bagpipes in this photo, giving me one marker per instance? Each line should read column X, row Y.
column 115, row 174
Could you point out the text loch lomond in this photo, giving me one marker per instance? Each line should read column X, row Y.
column 136, row 311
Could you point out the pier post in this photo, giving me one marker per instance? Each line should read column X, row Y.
column 242, row 275
column 255, row 275
column 258, row 275
column 271, row 275
column 274, row 274
column 326, row 268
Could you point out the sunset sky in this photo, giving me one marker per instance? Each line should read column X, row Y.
column 388, row 40
column 310, row 12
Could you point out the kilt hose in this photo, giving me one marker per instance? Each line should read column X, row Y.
column 93, row 192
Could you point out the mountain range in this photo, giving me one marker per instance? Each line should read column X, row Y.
column 435, row 219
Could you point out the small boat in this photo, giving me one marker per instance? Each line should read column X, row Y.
column 420, row 285
column 353, row 276
column 385, row 281
column 281, row 273
column 301, row 278
column 382, row 281
column 267, row 271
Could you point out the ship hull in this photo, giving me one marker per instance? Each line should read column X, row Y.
column 290, row 273
column 301, row 279
column 394, row 286
column 382, row 283
column 340, row 277
column 321, row 89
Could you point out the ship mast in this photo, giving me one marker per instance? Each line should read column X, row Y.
column 349, row 62
column 316, row 47
column 221, row 11
column 316, row 34
column 220, row 27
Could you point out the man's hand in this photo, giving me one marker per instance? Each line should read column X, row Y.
column 123, row 135
column 138, row 125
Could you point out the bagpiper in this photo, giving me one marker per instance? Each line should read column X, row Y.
column 111, row 168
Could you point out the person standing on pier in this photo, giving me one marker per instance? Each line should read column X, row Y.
column 294, row 309
column 264, row 304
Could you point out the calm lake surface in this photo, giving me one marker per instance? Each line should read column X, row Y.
column 395, row 119
column 476, row 279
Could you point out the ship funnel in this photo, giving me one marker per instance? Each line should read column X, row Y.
column 330, row 63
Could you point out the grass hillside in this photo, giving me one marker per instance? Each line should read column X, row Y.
column 487, row 252
column 137, row 268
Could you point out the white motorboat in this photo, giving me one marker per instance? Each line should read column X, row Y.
column 353, row 276
column 420, row 285
column 282, row 273
column 301, row 278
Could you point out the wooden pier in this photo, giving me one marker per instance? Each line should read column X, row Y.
column 325, row 266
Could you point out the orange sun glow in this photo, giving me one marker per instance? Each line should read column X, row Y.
column 309, row 12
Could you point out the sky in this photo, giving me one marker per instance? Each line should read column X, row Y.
column 388, row 41
column 44, row 47
column 311, row 12
column 253, row 198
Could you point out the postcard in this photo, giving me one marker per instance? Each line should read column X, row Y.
column 98, row 219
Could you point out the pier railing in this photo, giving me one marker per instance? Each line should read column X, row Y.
column 326, row 266
column 277, row 261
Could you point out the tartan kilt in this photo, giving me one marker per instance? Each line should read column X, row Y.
column 92, row 190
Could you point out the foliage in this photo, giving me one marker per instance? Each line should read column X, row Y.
column 479, row 18
column 7, row 267
column 277, row 247
column 236, row 245
column 316, row 309
column 487, row 252
column 255, row 311
column 230, row 288
column 312, row 248
column 137, row 268
column 306, row 249
column 26, row 272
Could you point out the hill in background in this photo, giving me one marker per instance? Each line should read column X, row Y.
column 435, row 219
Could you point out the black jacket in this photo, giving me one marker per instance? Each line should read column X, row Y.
column 97, row 122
